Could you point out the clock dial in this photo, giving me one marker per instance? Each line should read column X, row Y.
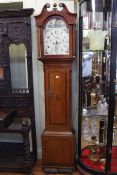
column 56, row 38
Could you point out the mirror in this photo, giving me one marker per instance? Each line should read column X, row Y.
column 18, row 67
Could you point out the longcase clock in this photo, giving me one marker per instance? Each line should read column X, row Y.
column 56, row 49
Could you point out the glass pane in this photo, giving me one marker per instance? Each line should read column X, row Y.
column 95, row 61
column 18, row 66
column 114, row 145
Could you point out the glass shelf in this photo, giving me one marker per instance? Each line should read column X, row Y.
column 92, row 112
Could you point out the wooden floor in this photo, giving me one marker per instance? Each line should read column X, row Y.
column 37, row 170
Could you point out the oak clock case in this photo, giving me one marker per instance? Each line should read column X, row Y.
column 17, row 117
column 56, row 49
column 97, row 124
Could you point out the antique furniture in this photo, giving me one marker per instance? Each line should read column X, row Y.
column 17, row 118
column 56, row 49
column 97, row 123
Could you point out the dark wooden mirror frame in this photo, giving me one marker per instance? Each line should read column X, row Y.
column 16, row 105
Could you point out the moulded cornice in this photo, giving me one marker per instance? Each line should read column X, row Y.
column 70, row 17
column 16, row 13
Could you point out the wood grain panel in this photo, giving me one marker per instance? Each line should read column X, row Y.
column 58, row 149
column 58, row 93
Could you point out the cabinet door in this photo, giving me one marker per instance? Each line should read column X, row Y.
column 58, row 92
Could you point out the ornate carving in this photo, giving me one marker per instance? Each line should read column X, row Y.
column 1, row 28
column 13, row 101
column 1, row 45
column 14, row 31
column 15, row 28
column 26, row 147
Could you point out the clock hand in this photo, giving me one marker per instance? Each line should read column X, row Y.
column 56, row 42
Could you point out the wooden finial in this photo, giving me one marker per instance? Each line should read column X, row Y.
column 55, row 5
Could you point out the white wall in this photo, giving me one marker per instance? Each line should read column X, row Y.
column 8, row 1
column 38, row 4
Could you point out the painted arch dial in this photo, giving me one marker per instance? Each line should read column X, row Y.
column 56, row 37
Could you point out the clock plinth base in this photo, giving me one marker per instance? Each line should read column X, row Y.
column 58, row 153
column 58, row 170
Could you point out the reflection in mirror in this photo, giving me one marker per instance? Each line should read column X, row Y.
column 1, row 73
column 18, row 66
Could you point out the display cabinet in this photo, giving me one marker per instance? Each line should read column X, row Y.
column 97, row 122
column 17, row 117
